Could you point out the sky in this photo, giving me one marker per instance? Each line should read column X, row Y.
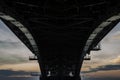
column 15, row 64
column 105, row 64
column 14, row 57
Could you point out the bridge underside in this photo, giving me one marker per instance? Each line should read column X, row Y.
column 60, row 29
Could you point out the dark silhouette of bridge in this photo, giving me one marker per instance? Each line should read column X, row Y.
column 60, row 32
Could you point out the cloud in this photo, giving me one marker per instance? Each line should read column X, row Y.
column 103, row 68
column 29, row 66
column 10, row 45
column 116, row 35
column 6, row 33
column 116, row 60
column 105, row 64
column 12, row 59
column 102, row 75
column 12, row 50
column 11, row 73
column 17, row 75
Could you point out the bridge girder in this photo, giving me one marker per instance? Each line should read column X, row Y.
column 60, row 32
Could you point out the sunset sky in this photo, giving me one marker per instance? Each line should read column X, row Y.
column 14, row 58
column 105, row 64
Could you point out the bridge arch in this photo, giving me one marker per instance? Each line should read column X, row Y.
column 26, row 38
column 100, row 28
column 109, row 23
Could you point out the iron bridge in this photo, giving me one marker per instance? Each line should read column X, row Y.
column 60, row 32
